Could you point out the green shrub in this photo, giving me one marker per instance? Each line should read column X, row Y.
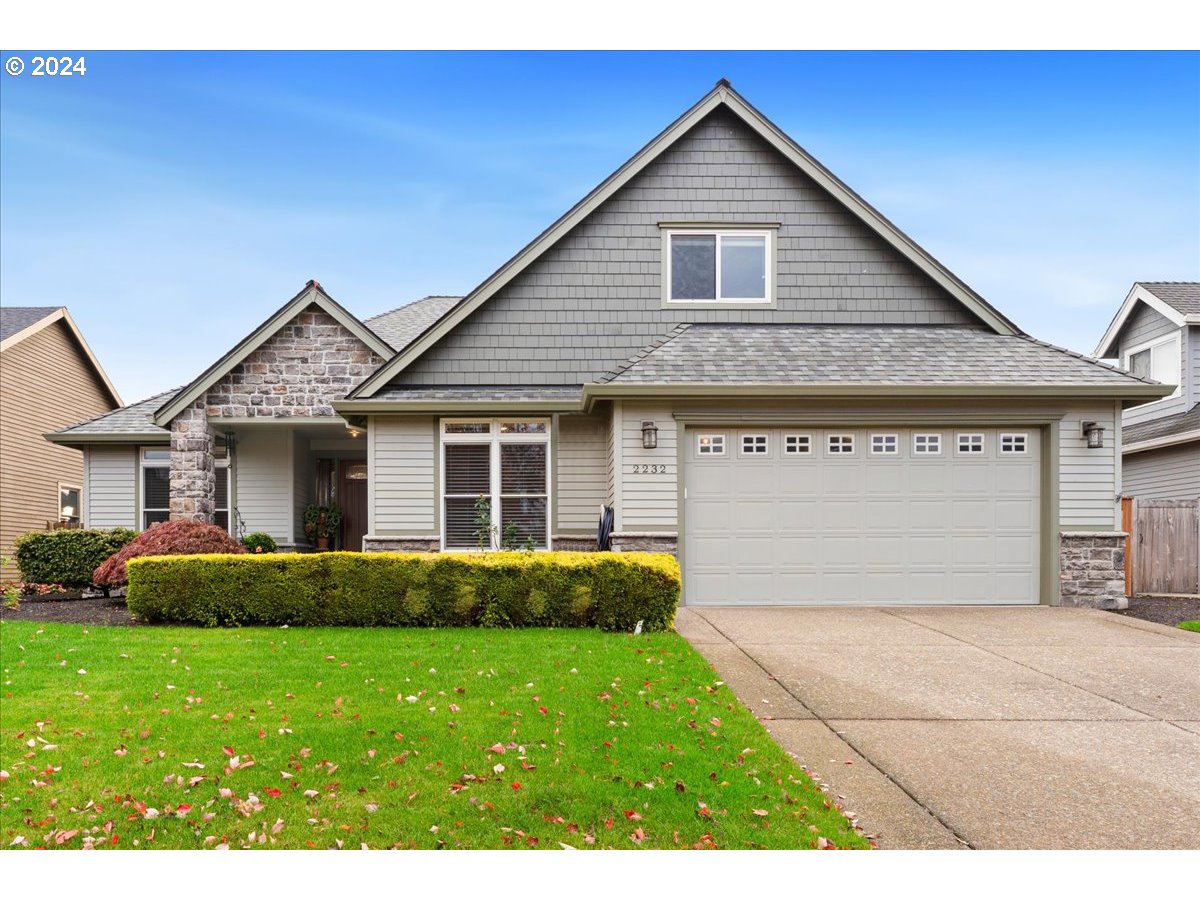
column 612, row 591
column 68, row 556
column 259, row 542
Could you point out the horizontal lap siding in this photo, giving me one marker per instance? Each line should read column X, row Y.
column 649, row 498
column 582, row 467
column 402, row 477
column 111, row 500
column 45, row 385
column 264, row 482
column 1088, row 478
column 1169, row 473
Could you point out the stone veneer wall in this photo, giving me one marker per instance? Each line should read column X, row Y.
column 298, row 372
column 401, row 545
column 193, row 469
column 645, row 542
column 1092, row 569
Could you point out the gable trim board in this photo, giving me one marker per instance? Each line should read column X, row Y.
column 312, row 295
column 722, row 95
column 1107, row 347
column 62, row 315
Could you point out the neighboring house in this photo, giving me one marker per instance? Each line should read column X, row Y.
column 48, row 378
column 722, row 343
column 1156, row 333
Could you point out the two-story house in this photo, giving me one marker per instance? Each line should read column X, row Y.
column 725, row 348
column 1156, row 334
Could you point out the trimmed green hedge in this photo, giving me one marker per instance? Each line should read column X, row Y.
column 68, row 556
column 612, row 591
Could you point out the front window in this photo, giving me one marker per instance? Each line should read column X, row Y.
column 1159, row 361
column 496, row 485
column 718, row 266
column 68, row 506
column 156, row 487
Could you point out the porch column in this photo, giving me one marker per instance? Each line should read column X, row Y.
column 193, row 473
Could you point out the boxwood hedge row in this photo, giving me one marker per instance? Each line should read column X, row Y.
column 611, row 591
column 68, row 556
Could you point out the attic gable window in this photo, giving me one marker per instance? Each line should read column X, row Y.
column 718, row 266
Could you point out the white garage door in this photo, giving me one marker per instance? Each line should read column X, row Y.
column 862, row 516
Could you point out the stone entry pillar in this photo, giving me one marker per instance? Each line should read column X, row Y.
column 193, row 470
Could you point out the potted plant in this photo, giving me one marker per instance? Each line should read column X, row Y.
column 321, row 523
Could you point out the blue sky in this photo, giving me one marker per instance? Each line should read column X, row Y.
column 173, row 200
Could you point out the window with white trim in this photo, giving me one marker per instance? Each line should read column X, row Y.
column 797, row 444
column 718, row 266
column 69, row 499
column 710, row 445
column 1159, row 360
column 1014, row 444
column 156, row 486
column 754, row 445
column 885, row 444
column 970, row 444
column 840, row 444
column 927, row 444
column 495, row 484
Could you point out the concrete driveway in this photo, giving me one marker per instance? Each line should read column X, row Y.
column 989, row 728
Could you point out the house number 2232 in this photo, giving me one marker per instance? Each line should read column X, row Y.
column 649, row 470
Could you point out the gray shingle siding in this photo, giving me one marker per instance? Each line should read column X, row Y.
column 594, row 299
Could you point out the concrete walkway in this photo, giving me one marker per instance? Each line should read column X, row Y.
column 1019, row 728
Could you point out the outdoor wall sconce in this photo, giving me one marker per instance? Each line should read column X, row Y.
column 353, row 430
column 1094, row 432
column 649, row 435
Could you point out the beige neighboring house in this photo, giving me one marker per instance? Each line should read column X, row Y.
column 49, row 378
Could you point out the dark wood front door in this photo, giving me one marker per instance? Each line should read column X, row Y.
column 352, row 497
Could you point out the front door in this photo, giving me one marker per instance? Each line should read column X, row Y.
column 352, row 497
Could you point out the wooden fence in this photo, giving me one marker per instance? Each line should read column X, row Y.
column 1163, row 551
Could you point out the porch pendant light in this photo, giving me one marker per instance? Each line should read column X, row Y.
column 649, row 436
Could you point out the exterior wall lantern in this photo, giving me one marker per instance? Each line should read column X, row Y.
column 649, row 435
column 1094, row 432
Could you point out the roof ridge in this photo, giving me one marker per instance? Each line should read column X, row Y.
column 1083, row 356
column 657, row 343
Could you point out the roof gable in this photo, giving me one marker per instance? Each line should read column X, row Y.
column 722, row 96
column 18, row 323
column 312, row 295
column 1177, row 310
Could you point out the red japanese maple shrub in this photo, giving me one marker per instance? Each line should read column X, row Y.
column 178, row 538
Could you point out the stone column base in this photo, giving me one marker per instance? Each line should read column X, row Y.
column 576, row 544
column 1092, row 569
column 645, row 542
column 380, row 544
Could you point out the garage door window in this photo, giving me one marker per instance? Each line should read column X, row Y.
column 885, row 444
column 927, row 445
column 711, row 445
column 1013, row 444
column 841, row 445
column 797, row 445
column 754, row 445
column 970, row 444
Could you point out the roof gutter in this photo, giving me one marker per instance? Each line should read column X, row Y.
column 1169, row 440
column 80, row 440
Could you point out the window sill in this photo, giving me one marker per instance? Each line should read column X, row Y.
column 719, row 304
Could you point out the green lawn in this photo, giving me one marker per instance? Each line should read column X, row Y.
column 1190, row 626
column 190, row 738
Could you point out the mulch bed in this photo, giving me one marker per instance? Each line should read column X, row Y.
column 1163, row 610
column 85, row 611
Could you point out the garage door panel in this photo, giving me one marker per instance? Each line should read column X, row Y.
column 861, row 529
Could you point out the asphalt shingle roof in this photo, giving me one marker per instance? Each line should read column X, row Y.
column 1182, row 295
column 401, row 326
column 18, row 318
column 134, row 419
column 860, row 354
column 1181, row 423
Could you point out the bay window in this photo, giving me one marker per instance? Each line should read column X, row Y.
column 495, row 484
